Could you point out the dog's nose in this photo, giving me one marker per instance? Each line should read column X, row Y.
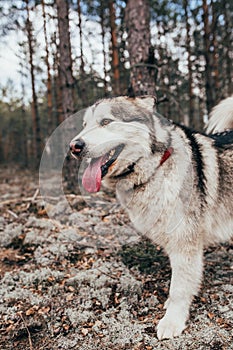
column 77, row 146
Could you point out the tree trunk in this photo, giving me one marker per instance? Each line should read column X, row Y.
column 190, row 122
column 67, row 85
column 24, row 120
column 141, row 53
column 82, row 65
column 49, row 80
column 103, row 33
column 115, row 56
column 65, row 60
column 82, row 85
column 210, row 101
column 216, row 86
column 37, row 143
column 228, row 45
column 57, row 83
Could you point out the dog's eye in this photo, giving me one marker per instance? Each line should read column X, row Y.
column 105, row 122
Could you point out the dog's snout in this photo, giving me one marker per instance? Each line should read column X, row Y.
column 77, row 146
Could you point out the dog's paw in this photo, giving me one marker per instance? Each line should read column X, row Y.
column 169, row 328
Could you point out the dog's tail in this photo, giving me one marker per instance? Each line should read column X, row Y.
column 221, row 117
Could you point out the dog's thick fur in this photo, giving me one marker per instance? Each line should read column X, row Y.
column 176, row 185
column 221, row 117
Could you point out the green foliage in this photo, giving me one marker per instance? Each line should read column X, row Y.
column 15, row 133
column 144, row 256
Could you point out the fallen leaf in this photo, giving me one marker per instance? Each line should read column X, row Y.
column 44, row 310
column 84, row 331
column 210, row 315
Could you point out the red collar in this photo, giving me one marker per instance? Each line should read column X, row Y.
column 166, row 155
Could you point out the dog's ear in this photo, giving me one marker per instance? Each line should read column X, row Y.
column 147, row 101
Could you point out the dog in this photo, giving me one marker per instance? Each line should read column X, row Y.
column 176, row 185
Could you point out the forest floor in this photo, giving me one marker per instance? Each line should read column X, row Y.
column 90, row 282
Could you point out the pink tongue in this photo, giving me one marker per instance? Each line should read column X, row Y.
column 92, row 176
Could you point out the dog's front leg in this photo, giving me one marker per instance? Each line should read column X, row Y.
column 185, row 282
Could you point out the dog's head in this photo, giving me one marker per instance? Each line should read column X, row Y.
column 118, row 133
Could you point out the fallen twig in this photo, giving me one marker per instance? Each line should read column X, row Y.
column 108, row 274
column 30, row 199
column 33, row 198
column 28, row 332
column 12, row 213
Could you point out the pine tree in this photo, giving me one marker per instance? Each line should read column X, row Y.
column 37, row 142
column 49, row 78
column 115, row 55
column 191, row 112
column 209, row 83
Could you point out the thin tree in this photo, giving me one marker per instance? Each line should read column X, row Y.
column 191, row 113
column 57, row 93
column 37, row 142
column 209, row 83
column 49, row 79
column 82, row 75
column 82, row 65
column 215, row 52
column 115, row 55
column 228, row 38
column 141, row 53
column 102, row 16
column 22, row 71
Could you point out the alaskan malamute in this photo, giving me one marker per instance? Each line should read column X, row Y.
column 176, row 184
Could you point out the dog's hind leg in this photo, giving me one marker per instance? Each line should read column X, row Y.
column 185, row 282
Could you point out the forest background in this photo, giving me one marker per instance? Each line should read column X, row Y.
column 79, row 276
column 71, row 53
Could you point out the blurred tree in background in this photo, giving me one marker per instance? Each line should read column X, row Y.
column 71, row 53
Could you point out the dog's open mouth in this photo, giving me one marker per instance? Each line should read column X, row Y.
column 98, row 168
